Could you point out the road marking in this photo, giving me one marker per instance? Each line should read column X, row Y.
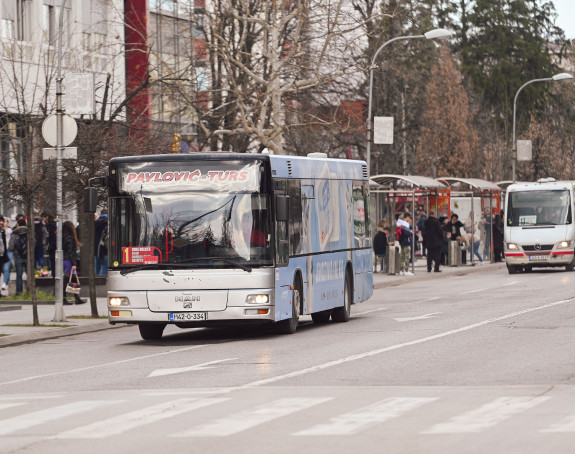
column 82, row 369
column 250, row 418
column 418, row 317
column 387, row 308
column 474, row 291
column 122, row 423
column 36, row 418
column 364, row 418
column 337, row 362
column 566, row 425
column 487, row 415
column 179, row 370
column 510, row 283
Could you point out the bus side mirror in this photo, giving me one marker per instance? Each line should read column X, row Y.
column 90, row 200
column 282, row 208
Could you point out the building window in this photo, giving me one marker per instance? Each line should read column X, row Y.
column 16, row 19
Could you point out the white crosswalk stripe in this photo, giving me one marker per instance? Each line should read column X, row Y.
column 8, row 426
column 487, row 415
column 356, row 421
column 250, row 418
column 122, row 423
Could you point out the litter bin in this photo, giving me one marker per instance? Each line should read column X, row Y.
column 453, row 254
column 392, row 260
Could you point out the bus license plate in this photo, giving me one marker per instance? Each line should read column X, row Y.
column 538, row 257
column 187, row 316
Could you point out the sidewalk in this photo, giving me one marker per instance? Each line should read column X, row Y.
column 381, row 280
column 21, row 313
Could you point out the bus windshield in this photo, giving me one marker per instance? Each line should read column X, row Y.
column 539, row 208
column 195, row 224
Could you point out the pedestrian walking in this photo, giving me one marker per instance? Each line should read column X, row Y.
column 433, row 241
column 18, row 244
column 4, row 254
column 70, row 244
column 498, row 237
column 39, row 240
column 404, row 236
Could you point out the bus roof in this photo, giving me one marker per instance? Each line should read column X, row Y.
column 543, row 185
column 282, row 166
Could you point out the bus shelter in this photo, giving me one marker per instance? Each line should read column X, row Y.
column 484, row 197
column 400, row 193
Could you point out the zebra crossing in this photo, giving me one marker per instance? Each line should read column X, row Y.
column 345, row 417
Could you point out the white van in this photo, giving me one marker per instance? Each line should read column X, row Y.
column 539, row 230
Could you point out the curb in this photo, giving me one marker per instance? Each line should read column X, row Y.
column 423, row 275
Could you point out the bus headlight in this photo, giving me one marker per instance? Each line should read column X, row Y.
column 564, row 245
column 512, row 247
column 258, row 299
column 118, row 301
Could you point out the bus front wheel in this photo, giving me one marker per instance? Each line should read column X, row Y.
column 151, row 331
column 342, row 314
column 289, row 326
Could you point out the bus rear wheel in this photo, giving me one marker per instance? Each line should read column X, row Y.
column 342, row 314
column 151, row 331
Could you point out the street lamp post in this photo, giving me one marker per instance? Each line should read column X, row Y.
column 433, row 34
column 59, row 265
column 561, row 76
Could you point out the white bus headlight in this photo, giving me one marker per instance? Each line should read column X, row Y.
column 118, row 301
column 512, row 247
column 258, row 299
column 564, row 245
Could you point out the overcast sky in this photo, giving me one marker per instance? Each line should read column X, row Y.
column 566, row 16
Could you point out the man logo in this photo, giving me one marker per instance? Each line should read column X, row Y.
column 187, row 300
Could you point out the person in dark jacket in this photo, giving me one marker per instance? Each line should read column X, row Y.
column 19, row 246
column 498, row 238
column 70, row 244
column 101, row 244
column 380, row 244
column 453, row 231
column 433, row 241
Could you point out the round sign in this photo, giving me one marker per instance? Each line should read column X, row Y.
column 69, row 130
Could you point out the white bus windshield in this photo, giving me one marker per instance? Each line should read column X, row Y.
column 205, row 222
column 539, row 208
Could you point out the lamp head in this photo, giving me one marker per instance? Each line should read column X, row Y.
column 562, row 76
column 438, row 33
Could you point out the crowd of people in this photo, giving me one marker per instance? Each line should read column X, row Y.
column 14, row 249
column 433, row 235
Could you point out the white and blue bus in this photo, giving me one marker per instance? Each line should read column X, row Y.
column 221, row 238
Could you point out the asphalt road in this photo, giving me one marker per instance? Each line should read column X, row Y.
column 470, row 364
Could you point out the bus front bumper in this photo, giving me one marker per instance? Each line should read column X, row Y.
column 552, row 258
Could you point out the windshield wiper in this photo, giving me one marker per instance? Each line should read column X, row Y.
column 183, row 263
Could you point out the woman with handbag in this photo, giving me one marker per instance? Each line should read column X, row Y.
column 69, row 245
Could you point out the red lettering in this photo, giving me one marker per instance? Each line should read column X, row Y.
column 139, row 178
column 234, row 176
column 243, row 175
column 150, row 176
column 223, row 175
column 168, row 176
column 158, row 178
column 213, row 174
column 131, row 176
column 179, row 175
column 195, row 175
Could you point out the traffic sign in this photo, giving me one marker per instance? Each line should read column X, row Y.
column 49, row 130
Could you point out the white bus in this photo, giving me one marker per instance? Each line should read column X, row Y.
column 207, row 239
column 539, row 230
